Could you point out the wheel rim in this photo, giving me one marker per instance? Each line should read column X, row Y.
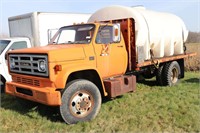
column 174, row 75
column 81, row 104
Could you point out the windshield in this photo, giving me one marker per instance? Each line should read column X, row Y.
column 3, row 45
column 76, row 34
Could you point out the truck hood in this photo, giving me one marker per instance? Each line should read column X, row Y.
column 57, row 53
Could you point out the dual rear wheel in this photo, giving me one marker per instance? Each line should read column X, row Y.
column 168, row 74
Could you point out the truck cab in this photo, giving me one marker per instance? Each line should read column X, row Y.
column 9, row 44
column 102, row 44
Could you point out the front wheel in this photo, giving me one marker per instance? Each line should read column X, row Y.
column 81, row 101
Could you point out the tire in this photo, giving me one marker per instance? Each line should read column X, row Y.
column 171, row 73
column 2, row 87
column 159, row 75
column 81, row 101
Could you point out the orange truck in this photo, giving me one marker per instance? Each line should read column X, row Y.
column 102, row 58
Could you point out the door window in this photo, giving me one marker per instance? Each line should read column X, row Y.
column 104, row 35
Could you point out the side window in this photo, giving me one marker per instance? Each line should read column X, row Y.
column 104, row 35
column 18, row 45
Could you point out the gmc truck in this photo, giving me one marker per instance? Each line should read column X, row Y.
column 86, row 62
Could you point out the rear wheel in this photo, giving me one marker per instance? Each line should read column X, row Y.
column 81, row 101
column 171, row 73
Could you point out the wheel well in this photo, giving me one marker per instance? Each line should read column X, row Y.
column 181, row 64
column 90, row 75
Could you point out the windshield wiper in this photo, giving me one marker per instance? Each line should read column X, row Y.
column 81, row 42
column 68, row 42
column 75, row 42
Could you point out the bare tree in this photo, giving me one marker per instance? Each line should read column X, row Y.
column 193, row 37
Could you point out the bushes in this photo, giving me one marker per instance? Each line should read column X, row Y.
column 193, row 37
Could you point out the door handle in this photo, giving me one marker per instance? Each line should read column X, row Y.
column 104, row 54
column 120, row 46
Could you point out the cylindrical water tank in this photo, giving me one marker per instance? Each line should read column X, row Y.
column 163, row 33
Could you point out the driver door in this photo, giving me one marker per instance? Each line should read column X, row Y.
column 111, row 56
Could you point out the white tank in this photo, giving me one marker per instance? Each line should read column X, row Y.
column 164, row 33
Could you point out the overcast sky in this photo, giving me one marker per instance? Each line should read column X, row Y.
column 188, row 10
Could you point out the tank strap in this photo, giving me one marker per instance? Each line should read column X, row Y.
column 156, row 63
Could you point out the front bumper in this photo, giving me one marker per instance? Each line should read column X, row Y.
column 44, row 95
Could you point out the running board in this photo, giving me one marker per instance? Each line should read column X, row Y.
column 120, row 85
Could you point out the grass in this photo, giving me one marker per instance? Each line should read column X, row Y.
column 150, row 109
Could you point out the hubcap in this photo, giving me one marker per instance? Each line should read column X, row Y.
column 174, row 75
column 81, row 104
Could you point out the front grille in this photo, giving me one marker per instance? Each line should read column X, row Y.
column 26, row 81
column 28, row 64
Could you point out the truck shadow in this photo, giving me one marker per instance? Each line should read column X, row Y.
column 193, row 80
column 29, row 108
column 148, row 82
column 153, row 82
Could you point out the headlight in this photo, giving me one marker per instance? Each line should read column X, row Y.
column 42, row 65
column 12, row 63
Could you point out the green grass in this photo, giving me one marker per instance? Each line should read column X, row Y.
column 150, row 109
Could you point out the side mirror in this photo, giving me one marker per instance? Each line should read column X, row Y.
column 51, row 33
column 116, row 32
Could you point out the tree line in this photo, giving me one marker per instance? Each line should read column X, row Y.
column 193, row 37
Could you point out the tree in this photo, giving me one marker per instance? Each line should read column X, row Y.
column 193, row 37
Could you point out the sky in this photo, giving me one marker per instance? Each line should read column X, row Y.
column 187, row 10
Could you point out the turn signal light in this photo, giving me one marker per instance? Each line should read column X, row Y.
column 58, row 68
